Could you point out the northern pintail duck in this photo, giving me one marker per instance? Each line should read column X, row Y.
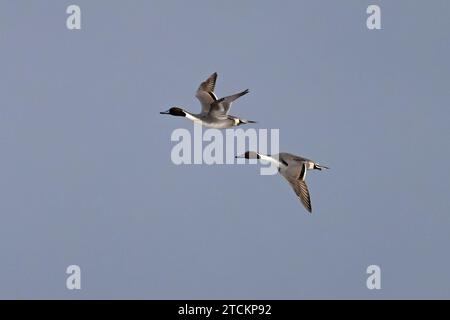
column 293, row 168
column 214, row 112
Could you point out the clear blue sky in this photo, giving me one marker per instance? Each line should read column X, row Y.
column 85, row 170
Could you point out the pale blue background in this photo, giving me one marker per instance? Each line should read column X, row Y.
column 85, row 170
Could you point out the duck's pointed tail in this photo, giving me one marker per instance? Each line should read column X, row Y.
column 320, row 167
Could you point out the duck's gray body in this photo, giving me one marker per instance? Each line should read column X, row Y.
column 210, row 121
column 293, row 160
column 293, row 168
column 214, row 112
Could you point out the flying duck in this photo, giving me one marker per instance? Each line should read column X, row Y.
column 293, row 168
column 214, row 112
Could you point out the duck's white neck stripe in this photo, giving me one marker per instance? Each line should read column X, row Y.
column 191, row 117
column 270, row 159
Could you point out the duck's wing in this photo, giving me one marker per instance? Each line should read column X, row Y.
column 292, row 157
column 295, row 175
column 205, row 93
column 220, row 108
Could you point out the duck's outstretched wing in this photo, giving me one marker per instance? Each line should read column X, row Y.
column 302, row 192
column 221, row 107
column 205, row 93
column 296, row 178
